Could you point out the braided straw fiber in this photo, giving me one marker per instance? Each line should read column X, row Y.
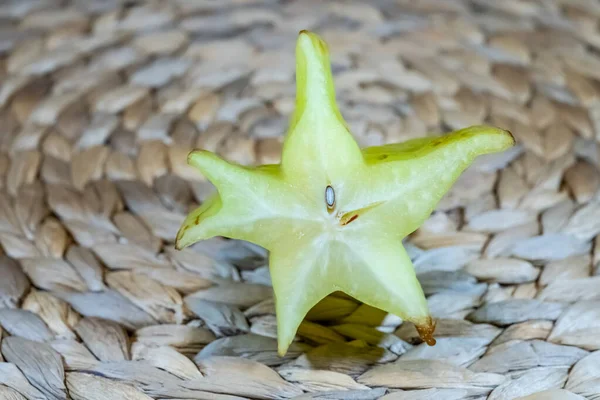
column 100, row 102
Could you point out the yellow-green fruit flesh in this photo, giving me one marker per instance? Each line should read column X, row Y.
column 354, row 245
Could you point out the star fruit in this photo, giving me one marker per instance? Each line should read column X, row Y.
column 331, row 215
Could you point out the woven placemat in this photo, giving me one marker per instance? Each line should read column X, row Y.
column 100, row 102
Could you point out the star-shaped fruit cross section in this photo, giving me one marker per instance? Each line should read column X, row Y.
column 331, row 215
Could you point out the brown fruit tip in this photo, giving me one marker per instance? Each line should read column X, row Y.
column 303, row 31
column 512, row 136
column 426, row 330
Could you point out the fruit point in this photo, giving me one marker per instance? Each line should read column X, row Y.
column 331, row 214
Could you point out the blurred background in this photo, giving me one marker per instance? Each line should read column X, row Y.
column 100, row 103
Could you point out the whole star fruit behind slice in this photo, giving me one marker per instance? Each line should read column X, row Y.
column 333, row 216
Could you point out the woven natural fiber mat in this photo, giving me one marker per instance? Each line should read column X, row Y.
column 100, row 102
